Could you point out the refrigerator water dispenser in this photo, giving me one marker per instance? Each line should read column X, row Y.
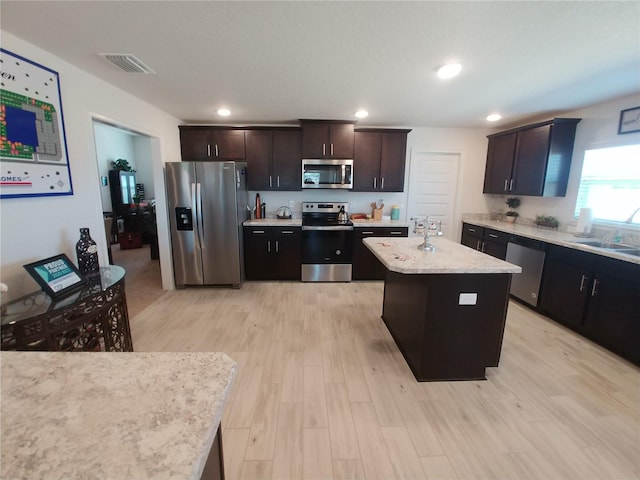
column 184, row 218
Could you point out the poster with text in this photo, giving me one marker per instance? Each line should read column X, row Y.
column 33, row 146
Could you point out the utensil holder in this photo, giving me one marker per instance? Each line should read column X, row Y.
column 377, row 214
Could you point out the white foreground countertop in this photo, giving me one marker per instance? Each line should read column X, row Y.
column 401, row 255
column 111, row 415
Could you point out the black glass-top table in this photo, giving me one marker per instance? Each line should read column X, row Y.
column 94, row 318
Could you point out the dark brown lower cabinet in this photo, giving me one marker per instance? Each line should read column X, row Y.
column 214, row 467
column 272, row 253
column 365, row 264
column 440, row 338
column 596, row 296
column 565, row 290
column 485, row 240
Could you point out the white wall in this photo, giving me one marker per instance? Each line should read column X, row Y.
column 35, row 228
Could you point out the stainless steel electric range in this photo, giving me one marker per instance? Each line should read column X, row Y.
column 327, row 242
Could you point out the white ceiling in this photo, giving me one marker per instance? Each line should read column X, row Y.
column 276, row 62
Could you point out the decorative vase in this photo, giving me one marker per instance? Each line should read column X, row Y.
column 87, row 253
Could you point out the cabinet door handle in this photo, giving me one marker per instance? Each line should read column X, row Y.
column 375, row 182
column 257, row 231
column 492, row 235
column 395, row 233
column 471, row 229
column 208, row 150
column 287, row 232
column 594, row 290
column 324, row 149
column 332, row 149
column 270, row 181
column 382, row 184
column 478, row 245
column 277, row 246
column 217, row 154
column 483, row 245
column 269, row 246
column 506, row 184
column 582, row 280
column 511, row 184
column 278, row 180
column 367, row 233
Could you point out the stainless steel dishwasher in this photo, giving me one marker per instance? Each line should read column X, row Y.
column 528, row 254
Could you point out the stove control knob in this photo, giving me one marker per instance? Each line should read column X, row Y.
column 338, row 252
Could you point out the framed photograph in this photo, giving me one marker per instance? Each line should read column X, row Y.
column 33, row 147
column 629, row 120
column 56, row 275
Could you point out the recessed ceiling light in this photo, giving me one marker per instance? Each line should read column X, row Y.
column 224, row 112
column 362, row 114
column 494, row 117
column 449, row 70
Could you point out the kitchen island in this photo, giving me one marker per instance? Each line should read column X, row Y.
column 85, row 415
column 446, row 309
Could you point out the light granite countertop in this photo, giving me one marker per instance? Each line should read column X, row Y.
column 401, row 255
column 273, row 222
column 555, row 237
column 111, row 415
column 297, row 222
column 380, row 223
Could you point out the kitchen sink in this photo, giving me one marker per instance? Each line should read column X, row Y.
column 612, row 247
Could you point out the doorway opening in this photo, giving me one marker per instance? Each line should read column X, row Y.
column 128, row 205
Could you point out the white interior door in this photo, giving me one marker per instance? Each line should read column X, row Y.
column 433, row 183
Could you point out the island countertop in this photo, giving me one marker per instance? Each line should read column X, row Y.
column 111, row 415
column 401, row 255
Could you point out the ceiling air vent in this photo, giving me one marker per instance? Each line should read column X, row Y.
column 126, row 62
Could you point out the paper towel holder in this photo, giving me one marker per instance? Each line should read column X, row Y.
column 585, row 221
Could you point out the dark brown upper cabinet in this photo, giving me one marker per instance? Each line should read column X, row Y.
column 212, row 143
column 273, row 159
column 379, row 160
column 327, row 139
column 532, row 160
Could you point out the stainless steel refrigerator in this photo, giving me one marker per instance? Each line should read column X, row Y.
column 207, row 205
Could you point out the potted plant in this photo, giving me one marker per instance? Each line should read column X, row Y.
column 122, row 164
column 547, row 221
column 512, row 203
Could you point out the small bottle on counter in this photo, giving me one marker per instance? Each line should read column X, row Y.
column 258, row 206
column 263, row 210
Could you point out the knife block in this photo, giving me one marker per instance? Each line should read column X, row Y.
column 377, row 214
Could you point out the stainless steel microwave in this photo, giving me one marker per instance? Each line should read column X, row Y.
column 321, row 173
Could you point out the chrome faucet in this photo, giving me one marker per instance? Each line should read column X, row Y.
column 628, row 220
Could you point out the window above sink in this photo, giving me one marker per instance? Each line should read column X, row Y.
column 610, row 184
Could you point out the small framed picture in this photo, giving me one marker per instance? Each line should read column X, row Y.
column 56, row 275
column 629, row 120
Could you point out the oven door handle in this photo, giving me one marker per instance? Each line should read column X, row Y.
column 328, row 227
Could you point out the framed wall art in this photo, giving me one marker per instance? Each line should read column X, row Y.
column 56, row 275
column 629, row 120
column 33, row 148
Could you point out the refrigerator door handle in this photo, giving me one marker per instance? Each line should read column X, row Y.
column 194, row 209
column 199, row 217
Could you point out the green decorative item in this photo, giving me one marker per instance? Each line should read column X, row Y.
column 512, row 203
column 122, row 164
column 547, row 221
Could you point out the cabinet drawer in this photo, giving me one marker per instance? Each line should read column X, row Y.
column 472, row 229
column 496, row 236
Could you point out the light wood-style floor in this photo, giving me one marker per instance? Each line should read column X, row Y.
column 322, row 391
column 143, row 283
